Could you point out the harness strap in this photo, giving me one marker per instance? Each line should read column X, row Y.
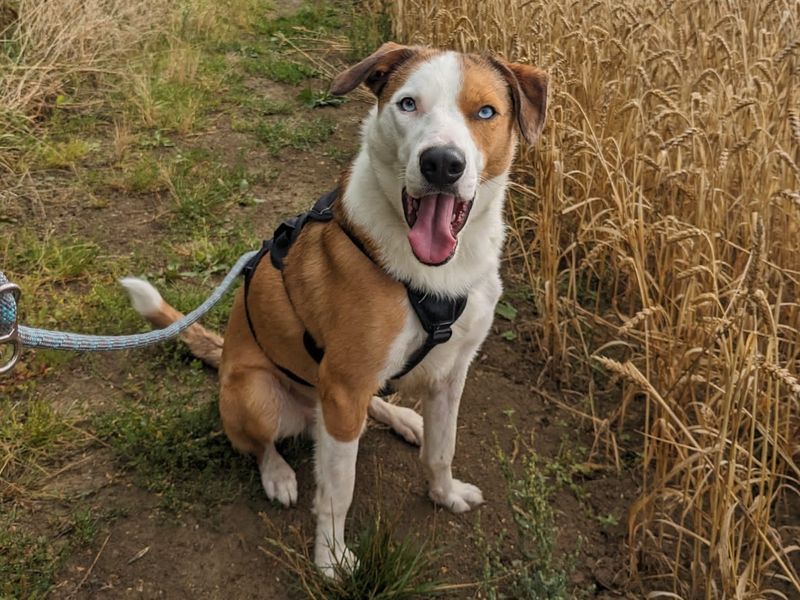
column 436, row 314
column 287, row 232
column 248, row 272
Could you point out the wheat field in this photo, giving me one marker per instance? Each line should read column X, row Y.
column 658, row 225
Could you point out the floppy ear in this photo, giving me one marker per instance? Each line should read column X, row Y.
column 528, row 87
column 373, row 70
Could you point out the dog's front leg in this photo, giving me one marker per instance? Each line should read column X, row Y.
column 440, row 415
column 337, row 432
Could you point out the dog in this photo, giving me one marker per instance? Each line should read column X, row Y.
column 418, row 218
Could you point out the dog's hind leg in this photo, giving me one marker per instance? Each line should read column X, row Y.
column 256, row 412
column 405, row 422
column 278, row 478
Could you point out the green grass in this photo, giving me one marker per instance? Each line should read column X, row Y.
column 389, row 566
column 34, row 440
column 34, row 437
column 30, row 562
column 169, row 437
column 299, row 135
column 141, row 177
column 64, row 154
column 367, row 30
column 314, row 16
column 277, row 68
column 51, row 258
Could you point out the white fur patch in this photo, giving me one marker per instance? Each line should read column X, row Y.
column 144, row 297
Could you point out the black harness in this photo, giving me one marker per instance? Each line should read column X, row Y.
column 436, row 315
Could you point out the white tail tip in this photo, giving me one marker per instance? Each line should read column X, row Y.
column 145, row 298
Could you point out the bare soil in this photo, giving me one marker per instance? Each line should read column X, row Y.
column 222, row 554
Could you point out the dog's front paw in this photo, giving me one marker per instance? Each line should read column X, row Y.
column 330, row 560
column 459, row 497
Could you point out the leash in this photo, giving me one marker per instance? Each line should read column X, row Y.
column 20, row 336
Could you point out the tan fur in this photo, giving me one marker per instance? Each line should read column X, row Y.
column 343, row 319
column 495, row 137
column 528, row 86
column 205, row 345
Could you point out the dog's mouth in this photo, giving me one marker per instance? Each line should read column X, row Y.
column 435, row 221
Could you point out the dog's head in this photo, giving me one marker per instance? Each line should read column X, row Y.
column 446, row 124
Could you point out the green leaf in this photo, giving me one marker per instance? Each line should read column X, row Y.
column 505, row 310
column 508, row 335
column 315, row 99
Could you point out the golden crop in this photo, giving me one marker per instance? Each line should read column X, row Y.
column 658, row 224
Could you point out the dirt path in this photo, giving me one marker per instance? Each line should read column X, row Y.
column 221, row 554
column 142, row 549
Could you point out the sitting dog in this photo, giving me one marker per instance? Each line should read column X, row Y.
column 391, row 279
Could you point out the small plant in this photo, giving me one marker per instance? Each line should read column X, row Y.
column 387, row 567
column 29, row 563
column 523, row 564
column 317, row 98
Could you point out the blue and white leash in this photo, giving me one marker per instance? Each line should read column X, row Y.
column 19, row 336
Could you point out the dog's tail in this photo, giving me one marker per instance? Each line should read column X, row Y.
column 204, row 344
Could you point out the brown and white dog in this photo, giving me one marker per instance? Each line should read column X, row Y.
column 424, row 197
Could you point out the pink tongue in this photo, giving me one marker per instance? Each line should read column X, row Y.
column 430, row 237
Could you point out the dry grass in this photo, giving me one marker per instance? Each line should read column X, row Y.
column 68, row 55
column 49, row 47
column 658, row 225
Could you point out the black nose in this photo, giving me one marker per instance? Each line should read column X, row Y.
column 442, row 165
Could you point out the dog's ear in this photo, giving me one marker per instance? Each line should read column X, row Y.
column 528, row 87
column 374, row 70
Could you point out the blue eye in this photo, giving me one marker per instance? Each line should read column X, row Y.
column 407, row 105
column 486, row 112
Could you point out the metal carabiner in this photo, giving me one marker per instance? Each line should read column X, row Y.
column 12, row 336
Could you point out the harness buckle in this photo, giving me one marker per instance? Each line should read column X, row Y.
column 441, row 333
column 11, row 335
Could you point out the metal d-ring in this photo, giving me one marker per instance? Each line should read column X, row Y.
column 12, row 337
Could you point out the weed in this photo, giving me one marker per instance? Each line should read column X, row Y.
column 200, row 187
column 64, row 154
column 52, row 258
column 338, row 154
column 33, row 437
column 526, row 567
column 30, row 562
column 370, row 25
column 268, row 107
column 316, row 16
column 317, row 98
column 387, row 567
column 141, row 177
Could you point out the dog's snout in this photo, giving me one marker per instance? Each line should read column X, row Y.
column 442, row 165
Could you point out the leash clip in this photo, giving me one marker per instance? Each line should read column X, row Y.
column 11, row 337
